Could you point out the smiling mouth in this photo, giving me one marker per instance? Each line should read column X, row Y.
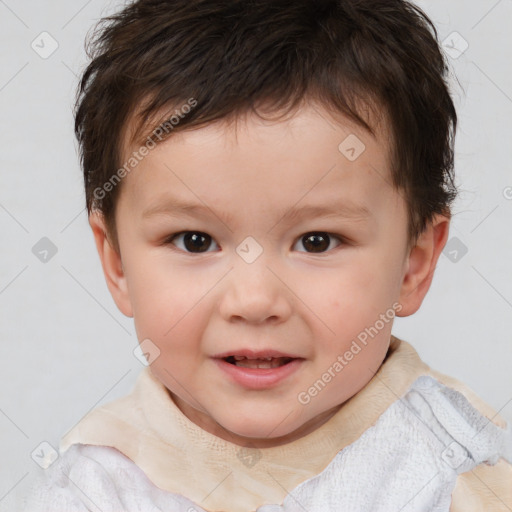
column 265, row 362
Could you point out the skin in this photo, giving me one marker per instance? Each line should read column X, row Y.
column 193, row 305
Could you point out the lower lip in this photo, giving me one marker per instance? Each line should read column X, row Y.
column 258, row 378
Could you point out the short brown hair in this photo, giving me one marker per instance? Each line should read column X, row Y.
column 234, row 55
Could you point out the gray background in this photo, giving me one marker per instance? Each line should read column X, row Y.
column 67, row 349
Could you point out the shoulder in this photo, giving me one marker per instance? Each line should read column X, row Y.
column 484, row 488
column 90, row 478
column 83, row 478
column 487, row 486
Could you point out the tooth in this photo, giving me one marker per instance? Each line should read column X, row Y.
column 239, row 358
column 262, row 363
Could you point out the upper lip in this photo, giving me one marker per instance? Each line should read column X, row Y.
column 255, row 354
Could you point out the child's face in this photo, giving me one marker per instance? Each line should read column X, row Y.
column 250, row 281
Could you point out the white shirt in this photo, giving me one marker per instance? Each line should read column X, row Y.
column 408, row 460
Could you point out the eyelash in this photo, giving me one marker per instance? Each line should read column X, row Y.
column 343, row 241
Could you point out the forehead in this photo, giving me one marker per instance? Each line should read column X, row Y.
column 271, row 160
column 138, row 128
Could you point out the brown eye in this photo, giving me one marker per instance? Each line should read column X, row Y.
column 193, row 241
column 316, row 241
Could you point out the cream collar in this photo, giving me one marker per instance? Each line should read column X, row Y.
column 180, row 457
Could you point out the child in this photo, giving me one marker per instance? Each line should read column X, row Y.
column 264, row 261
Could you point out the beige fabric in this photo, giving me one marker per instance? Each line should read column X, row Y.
column 147, row 427
column 484, row 488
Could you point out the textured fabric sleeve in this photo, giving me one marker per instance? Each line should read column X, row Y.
column 100, row 478
column 485, row 487
column 73, row 483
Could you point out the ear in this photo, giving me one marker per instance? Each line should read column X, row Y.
column 421, row 264
column 111, row 263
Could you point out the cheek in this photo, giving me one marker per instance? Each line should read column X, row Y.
column 352, row 295
column 349, row 306
column 168, row 304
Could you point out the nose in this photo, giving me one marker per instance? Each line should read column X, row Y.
column 255, row 293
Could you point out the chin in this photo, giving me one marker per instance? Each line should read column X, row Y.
column 264, row 426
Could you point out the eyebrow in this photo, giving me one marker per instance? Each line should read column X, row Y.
column 338, row 209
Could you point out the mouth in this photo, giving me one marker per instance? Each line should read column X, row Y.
column 260, row 362
column 258, row 370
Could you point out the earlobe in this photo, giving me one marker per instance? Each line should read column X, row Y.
column 421, row 264
column 111, row 263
